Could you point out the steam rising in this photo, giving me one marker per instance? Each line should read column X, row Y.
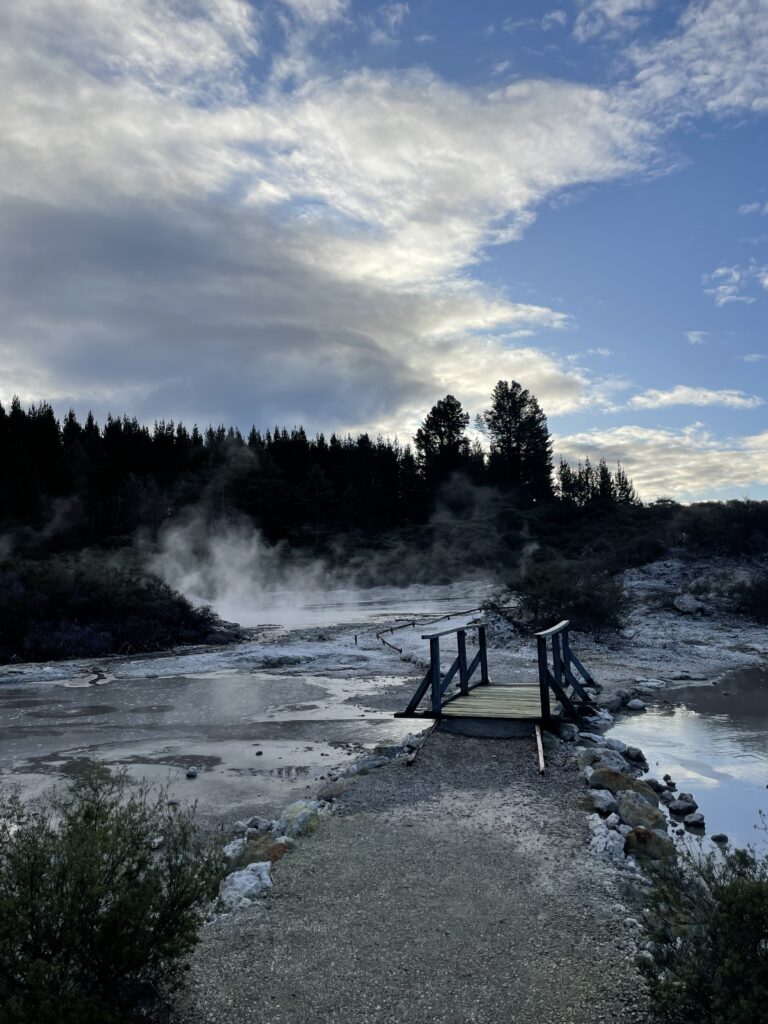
column 239, row 574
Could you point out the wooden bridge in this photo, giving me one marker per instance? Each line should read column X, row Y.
column 479, row 706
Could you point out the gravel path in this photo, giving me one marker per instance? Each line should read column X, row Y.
column 455, row 890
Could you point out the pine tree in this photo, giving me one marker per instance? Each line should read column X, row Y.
column 521, row 446
column 441, row 443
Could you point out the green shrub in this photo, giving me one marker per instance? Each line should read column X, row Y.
column 709, row 962
column 93, row 920
column 550, row 589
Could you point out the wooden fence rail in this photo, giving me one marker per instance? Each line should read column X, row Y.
column 561, row 676
column 438, row 682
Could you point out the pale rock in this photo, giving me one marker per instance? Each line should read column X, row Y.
column 234, row 849
column 238, row 889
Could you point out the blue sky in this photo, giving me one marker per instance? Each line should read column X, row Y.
column 334, row 212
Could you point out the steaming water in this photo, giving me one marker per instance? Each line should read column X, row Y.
column 713, row 741
column 261, row 720
column 347, row 606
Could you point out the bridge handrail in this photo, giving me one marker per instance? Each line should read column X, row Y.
column 447, row 632
column 553, row 630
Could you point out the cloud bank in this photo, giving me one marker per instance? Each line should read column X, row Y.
column 201, row 224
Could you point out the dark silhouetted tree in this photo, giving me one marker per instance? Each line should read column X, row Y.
column 520, row 445
column 441, row 443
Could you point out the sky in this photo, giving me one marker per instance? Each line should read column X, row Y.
column 334, row 212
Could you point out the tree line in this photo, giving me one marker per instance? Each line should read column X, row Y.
column 88, row 483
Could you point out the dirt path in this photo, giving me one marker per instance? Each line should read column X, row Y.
column 455, row 890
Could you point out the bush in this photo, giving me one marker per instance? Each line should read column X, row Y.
column 93, row 920
column 91, row 605
column 552, row 588
column 710, row 933
column 751, row 598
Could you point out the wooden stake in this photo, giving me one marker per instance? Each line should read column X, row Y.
column 540, row 748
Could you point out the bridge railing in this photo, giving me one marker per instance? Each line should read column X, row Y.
column 438, row 682
column 561, row 678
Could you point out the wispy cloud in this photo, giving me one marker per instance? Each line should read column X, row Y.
column 554, row 19
column 318, row 11
column 736, row 283
column 754, row 357
column 386, row 23
column 684, row 395
column 600, row 17
column 696, row 337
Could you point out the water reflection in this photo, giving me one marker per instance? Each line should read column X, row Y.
column 713, row 741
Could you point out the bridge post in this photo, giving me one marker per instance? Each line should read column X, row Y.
column 434, row 667
column 461, row 640
column 541, row 650
column 484, row 680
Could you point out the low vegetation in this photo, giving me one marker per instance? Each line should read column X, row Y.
column 709, row 929
column 101, row 896
column 90, row 604
column 554, row 588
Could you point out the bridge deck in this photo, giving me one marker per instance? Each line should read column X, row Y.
column 496, row 701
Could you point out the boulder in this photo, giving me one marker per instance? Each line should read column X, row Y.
column 689, row 605
column 656, row 786
column 238, row 889
column 300, row 817
column 635, row 704
column 645, row 844
column 603, row 801
column 685, row 804
column 613, row 821
column 609, row 759
column 720, row 838
column 607, row 778
column 666, row 797
column 634, row 810
column 610, row 702
column 587, row 757
column 569, row 732
column 635, row 754
column 259, row 824
column 592, row 739
column 234, row 849
column 695, row 820
column 618, row 745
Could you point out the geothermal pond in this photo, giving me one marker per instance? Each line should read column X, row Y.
column 713, row 740
column 261, row 721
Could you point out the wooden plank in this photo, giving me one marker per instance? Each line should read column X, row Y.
column 469, row 713
column 554, row 629
column 540, row 747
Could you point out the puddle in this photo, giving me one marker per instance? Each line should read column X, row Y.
column 713, row 741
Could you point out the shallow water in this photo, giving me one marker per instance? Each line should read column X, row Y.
column 713, row 741
column 262, row 721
